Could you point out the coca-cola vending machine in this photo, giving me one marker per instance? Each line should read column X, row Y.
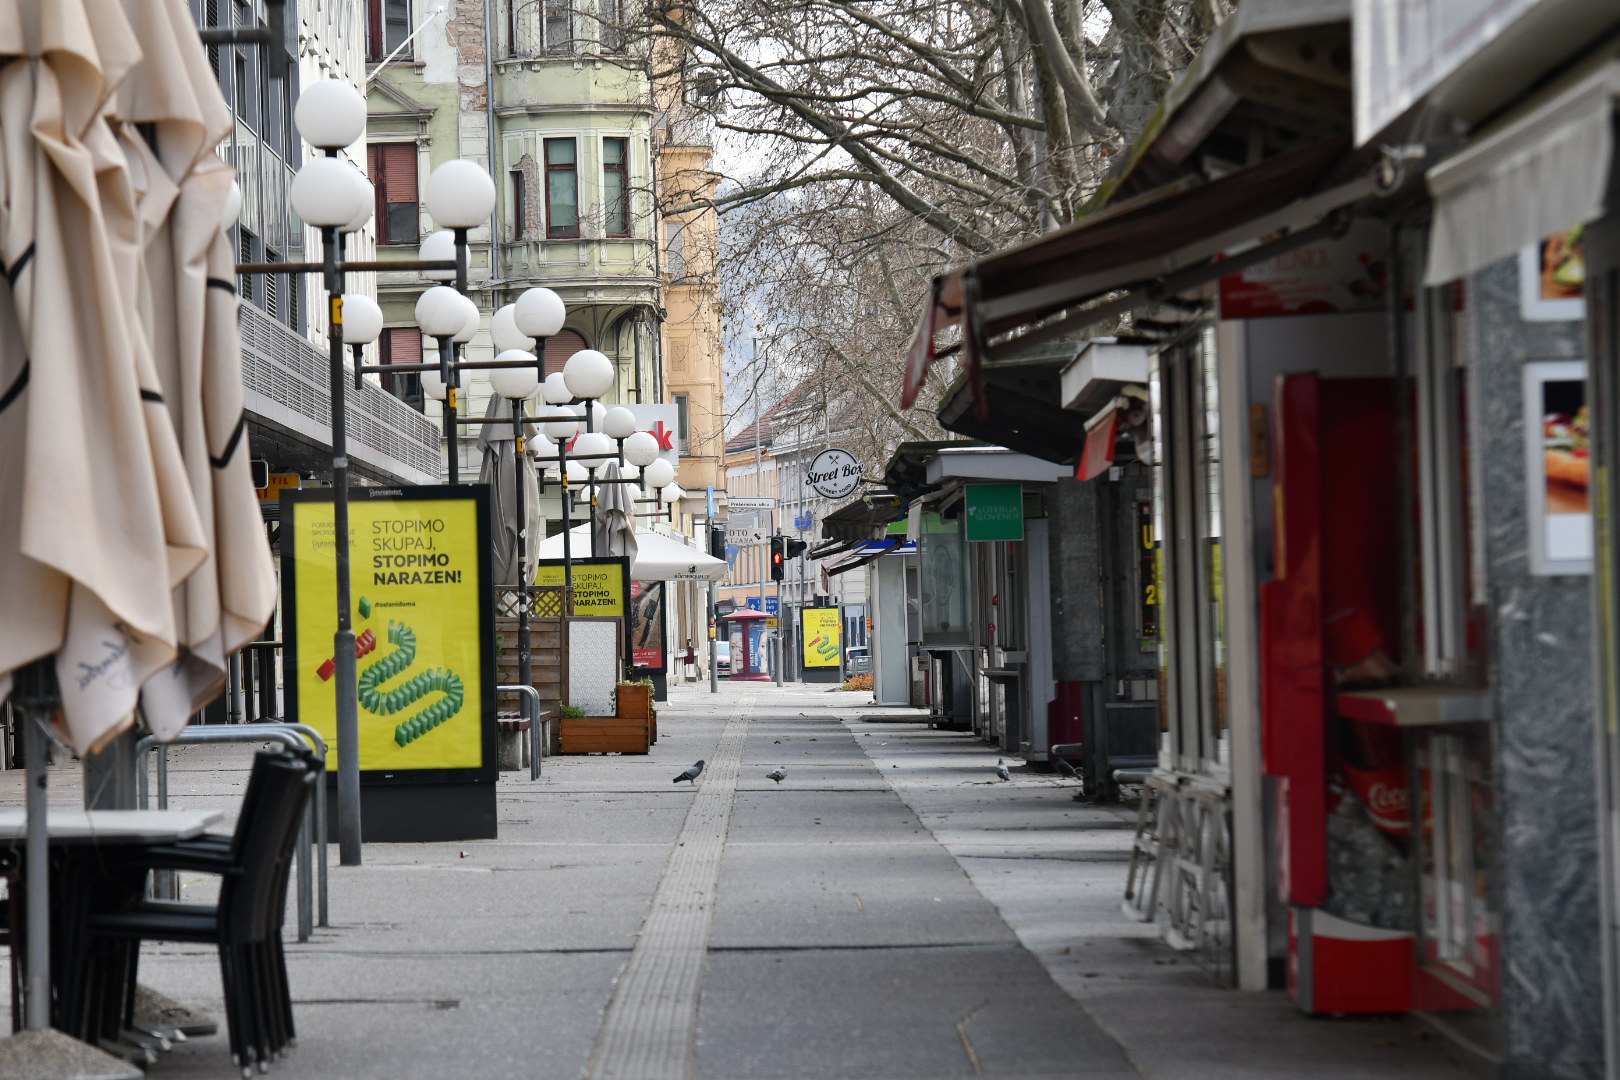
column 1329, row 624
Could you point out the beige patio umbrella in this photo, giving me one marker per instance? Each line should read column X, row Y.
column 495, row 442
column 96, row 523
column 187, row 306
column 615, row 521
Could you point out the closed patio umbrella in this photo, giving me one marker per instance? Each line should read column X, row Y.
column 187, row 306
column 97, row 525
column 615, row 520
column 495, row 443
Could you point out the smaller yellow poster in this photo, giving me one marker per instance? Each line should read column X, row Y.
column 601, row 586
column 822, row 631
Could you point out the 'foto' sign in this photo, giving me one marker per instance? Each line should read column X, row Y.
column 994, row 512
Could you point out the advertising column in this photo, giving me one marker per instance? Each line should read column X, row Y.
column 424, row 624
column 821, row 638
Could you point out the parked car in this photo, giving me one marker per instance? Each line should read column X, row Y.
column 722, row 657
column 858, row 660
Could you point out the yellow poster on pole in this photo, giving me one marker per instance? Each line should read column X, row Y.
column 822, row 632
column 601, row 585
column 423, row 621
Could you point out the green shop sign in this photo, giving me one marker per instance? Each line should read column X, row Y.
column 995, row 512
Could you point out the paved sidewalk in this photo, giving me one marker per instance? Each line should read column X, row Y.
column 888, row 910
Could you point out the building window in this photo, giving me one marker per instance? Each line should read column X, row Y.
column 680, row 423
column 393, row 173
column 388, row 25
column 616, row 186
column 562, row 189
column 675, row 250
column 610, row 15
column 402, row 345
column 557, row 26
column 559, row 347
column 520, row 217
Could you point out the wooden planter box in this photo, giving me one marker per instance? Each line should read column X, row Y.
column 635, row 703
column 603, row 735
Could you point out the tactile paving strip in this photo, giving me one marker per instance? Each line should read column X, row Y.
column 651, row 1022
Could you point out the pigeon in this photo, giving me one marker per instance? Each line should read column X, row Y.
column 690, row 775
column 779, row 774
column 1064, row 768
column 1001, row 770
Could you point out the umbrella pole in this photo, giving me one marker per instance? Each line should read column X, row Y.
column 39, row 1051
column 347, row 685
column 568, row 523
column 525, row 671
column 35, row 698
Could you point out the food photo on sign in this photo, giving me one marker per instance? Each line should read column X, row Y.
column 1552, row 278
column 1558, row 466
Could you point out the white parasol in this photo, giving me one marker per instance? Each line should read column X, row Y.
column 657, row 558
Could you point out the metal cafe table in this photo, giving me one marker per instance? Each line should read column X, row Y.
column 74, row 832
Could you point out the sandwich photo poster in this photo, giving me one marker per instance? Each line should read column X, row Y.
column 1558, row 467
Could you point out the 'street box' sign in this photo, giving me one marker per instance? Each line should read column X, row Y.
column 834, row 474
column 994, row 512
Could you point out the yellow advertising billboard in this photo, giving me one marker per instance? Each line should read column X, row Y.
column 822, row 632
column 601, row 586
column 423, row 620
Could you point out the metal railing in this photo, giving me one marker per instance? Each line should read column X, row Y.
column 311, row 833
column 531, row 699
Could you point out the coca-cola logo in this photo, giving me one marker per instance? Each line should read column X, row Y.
column 1387, row 800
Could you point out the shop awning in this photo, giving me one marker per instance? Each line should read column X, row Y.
column 871, row 552
column 1539, row 171
column 864, row 518
column 1152, row 247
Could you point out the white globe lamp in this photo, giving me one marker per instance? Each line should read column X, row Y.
column 438, row 247
column 619, row 423
column 362, row 320
column 439, row 312
column 470, row 321
column 593, row 449
column 330, row 115
column 589, row 374
column 514, row 382
column 641, row 449
column 556, row 389
column 368, row 203
column 503, row 328
column 540, row 312
column 324, row 193
column 670, row 493
column 460, row 195
column 433, row 386
column 233, row 207
column 659, row 473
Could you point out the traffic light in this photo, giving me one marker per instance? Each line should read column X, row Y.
column 795, row 548
column 717, row 541
column 778, row 571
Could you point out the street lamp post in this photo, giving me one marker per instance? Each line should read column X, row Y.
column 336, row 199
column 326, row 194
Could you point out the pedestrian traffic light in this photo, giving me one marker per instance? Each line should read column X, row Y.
column 717, row 541
column 778, row 571
column 794, row 548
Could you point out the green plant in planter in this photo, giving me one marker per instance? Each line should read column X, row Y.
column 571, row 712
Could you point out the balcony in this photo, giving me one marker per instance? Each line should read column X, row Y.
column 286, row 390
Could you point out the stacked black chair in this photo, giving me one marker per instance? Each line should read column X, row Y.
column 245, row 925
